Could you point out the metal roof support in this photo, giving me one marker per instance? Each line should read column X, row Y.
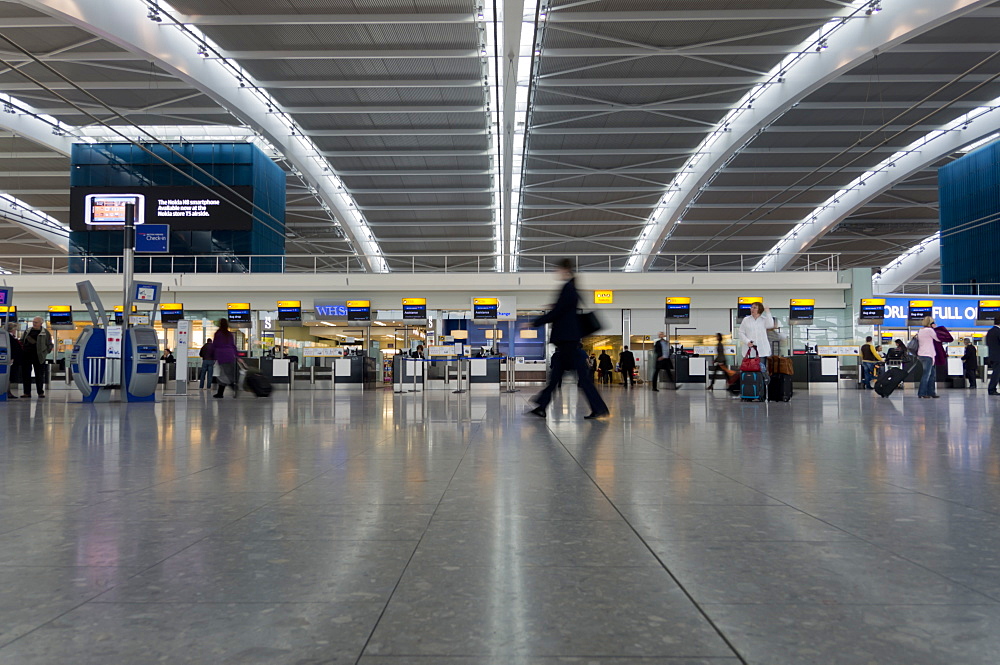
column 125, row 24
column 908, row 266
column 933, row 147
column 807, row 68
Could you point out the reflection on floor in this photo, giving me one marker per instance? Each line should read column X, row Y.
column 441, row 528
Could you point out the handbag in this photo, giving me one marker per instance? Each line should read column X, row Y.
column 913, row 345
column 751, row 363
column 589, row 323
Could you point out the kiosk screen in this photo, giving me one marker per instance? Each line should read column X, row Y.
column 290, row 311
column 743, row 306
column 988, row 310
column 239, row 313
column 678, row 310
column 485, row 309
column 872, row 311
column 359, row 310
column 801, row 310
column 918, row 310
column 8, row 314
column 5, row 296
column 171, row 313
column 414, row 309
column 60, row 315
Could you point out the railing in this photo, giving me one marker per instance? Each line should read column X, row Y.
column 398, row 263
column 950, row 289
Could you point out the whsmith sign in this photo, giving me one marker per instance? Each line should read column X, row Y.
column 957, row 313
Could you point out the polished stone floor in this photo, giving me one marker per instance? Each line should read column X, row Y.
column 388, row 529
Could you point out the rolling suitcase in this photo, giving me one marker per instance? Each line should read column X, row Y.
column 258, row 384
column 779, row 389
column 752, row 386
column 889, row 380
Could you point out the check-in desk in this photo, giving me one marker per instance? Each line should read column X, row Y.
column 408, row 373
column 278, row 370
column 812, row 368
column 690, row 370
column 484, row 374
column 525, row 371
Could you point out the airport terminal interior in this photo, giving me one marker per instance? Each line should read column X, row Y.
column 506, row 332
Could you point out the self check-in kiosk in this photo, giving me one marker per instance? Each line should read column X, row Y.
column 141, row 348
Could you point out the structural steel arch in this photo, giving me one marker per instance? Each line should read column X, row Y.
column 910, row 264
column 804, row 71
column 125, row 24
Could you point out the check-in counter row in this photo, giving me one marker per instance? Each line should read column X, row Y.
column 415, row 374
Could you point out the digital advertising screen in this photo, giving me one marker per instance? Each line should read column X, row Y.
column 414, row 309
column 359, row 310
column 290, row 311
column 987, row 311
column 182, row 208
column 171, row 312
column 5, row 296
column 485, row 309
column 61, row 315
column 872, row 311
column 918, row 309
column 801, row 310
column 743, row 305
column 238, row 313
column 678, row 310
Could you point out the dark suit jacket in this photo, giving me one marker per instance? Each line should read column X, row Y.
column 626, row 360
column 993, row 344
column 564, row 317
column 604, row 362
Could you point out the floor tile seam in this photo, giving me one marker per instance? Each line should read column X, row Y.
column 827, row 605
column 657, row 558
column 413, row 553
column 529, row 653
column 989, row 513
column 4, row 645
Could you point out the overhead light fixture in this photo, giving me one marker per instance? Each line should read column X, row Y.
column 823, row 45
column 875, row 6
column 154, row 15
column 203, row 50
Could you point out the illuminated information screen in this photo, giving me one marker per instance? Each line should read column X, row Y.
column 987, row 311
column 872, row 311
column 414, row 309
column 743, row 306
column 290, row 310
column 918, row 310
column 801, row 310
column 183, row 208
column 171, row 312
column 485, row 309
column 359, row 310
column 678, row 310
column 238, row 313
column 60, row 315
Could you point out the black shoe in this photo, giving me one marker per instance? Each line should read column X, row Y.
column 28, row 396
column 986, row 393
column 597, row 414
column 41, row 395
column 538, row 411
column 935, row 397
column 656, row 390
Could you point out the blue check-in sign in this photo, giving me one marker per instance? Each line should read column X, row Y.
column 153, row 238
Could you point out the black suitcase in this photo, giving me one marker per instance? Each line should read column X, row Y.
column 889, row 380
column 779, row 389
column 752, row 386
column 258, row 384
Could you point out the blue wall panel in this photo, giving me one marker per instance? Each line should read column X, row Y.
column 969, row 190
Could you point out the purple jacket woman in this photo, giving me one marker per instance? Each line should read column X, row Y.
column 226, row 358
column 940, row 354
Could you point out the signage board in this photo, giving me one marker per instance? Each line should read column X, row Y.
column 872, row 311
column 359, row 310
column 604, row 297
column 6, row 296
column 743, row 304
column 145, row 292
column 414, row 309
column 153, row 239
column 184, row 208
column 330, row 310
column 322, row 352
column 61, row 316
column 485, row 309
column 289, row 311
column 114, row 341
column 955, row 312
column 8, row 314
column 987, row 311
column 238, row 314
column 846, row 350
column 120, row 314
column 918, row 309
column 138, row 320
column 171, row 312
column 435, row 351
column 801, row 310
column 678, row 310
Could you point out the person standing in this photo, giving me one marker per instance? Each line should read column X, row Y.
column 606, row 366
column 718, row 362
column 970, row 362
column 626, row 363
column 993, row 356
column 569, row 355
column 36, row 345
column 207, row 354
column 869, row 358
column 592, row 366
column 16, row 354
column 926, row 354
column 226, row 357
column 661, row 351
column 753, row 332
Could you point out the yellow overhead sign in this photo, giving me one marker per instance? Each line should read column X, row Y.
column 170, row 306
column 414, row 301
column 678, row 301
column 921, row 303
column 359, row 303
column 289, row 303
column 238, row 305
column 60, row 308
column 873, row 301
column 989, row 303
column 803, row 302
column 749, row 300
column 485, row 301
column 604, row 297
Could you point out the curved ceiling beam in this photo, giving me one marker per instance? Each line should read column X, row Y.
column 833, row 50
column 957, row 134
column 175, row 48
column 21, row 120
column 911, row 264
